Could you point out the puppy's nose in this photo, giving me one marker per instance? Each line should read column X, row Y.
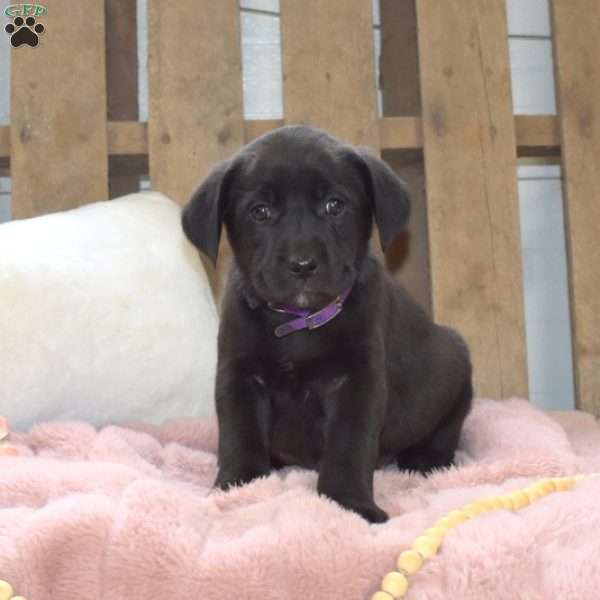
column 302, row 266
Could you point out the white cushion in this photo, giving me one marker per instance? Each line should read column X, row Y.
column 106, row 315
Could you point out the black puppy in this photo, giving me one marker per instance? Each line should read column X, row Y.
column 324, row 360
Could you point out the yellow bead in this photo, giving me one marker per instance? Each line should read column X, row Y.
column 500, row 502
column 395, row 584
column 545, row 486
column 410, row 562
column 426, row 545
column 473, row 509
column 533, row 494
column 436, row 532
column 443, row 524
column 507, row 502
column 520, row 499
column 456, row 517
column 381, row 596
column 563, row 483
column 517, row 500
column 497, row 502
column 493, row 503
column 6, row 590
column 485, row 505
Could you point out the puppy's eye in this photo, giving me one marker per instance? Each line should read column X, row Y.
column 260, row 212
column 335, row 206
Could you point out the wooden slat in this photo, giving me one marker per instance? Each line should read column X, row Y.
column 536, row 135
column 4, row 141
column 408, row 257
column 195, row 91
column 400, row 133
column 577, row 48
column 195, row 86
column 58, row 143
column 399, row 75
column 128, row 164
column 127, row 137
column 468, row 130
column 328, row 67
column 121, row 77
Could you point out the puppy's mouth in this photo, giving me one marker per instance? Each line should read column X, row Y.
column 309, row 299
column 311, row 294
column 304, row 296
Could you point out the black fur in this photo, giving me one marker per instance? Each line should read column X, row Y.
column 380, row 383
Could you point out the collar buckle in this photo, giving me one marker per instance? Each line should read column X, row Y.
column 323, row 316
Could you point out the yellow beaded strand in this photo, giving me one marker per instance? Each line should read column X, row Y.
column 395, row 583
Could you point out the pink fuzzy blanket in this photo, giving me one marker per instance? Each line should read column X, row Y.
column 128, row 513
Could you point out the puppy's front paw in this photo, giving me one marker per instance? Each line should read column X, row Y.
column 229, row 477
column 370, row 512
column 367, row 509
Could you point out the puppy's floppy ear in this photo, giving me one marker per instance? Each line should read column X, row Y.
column 202, row 216
column 389, row 195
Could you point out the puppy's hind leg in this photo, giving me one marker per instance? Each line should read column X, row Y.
column 437, row 451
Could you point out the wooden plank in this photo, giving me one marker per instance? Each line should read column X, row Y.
column 401, row 91
column 129, row 164
column 58, row 140
column 328, row 67
column 408, row 257
column 470, row 162
column 195, row 86
column 127, row 137
column 577, row 48
column 195, row 90
column 122, row 77
column 4, row 141
column 400, row 133
column 536, row 135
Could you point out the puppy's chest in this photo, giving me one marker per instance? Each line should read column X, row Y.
column 300, row 403
column 292, row 389
column 299, row 380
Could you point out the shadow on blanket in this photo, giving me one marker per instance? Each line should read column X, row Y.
column 129, row 513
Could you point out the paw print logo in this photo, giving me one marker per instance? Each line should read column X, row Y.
column 24, row 31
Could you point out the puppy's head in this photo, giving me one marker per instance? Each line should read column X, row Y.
column 299, row 206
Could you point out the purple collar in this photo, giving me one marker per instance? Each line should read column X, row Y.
column 308, row 320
